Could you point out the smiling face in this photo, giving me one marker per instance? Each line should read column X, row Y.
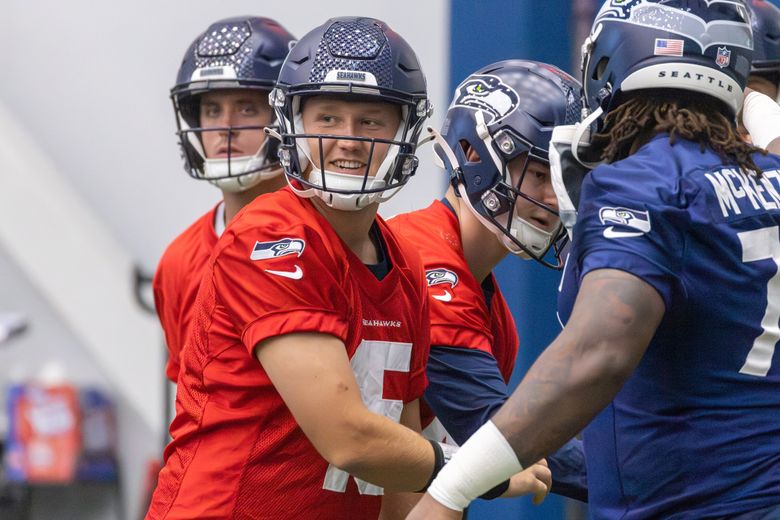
column 234, row 108
column 327, row 115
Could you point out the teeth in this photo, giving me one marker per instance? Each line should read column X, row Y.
column 348, row 165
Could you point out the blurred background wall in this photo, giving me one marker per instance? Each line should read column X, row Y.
column 92, row 186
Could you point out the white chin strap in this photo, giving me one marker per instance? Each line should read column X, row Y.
column 532, row 237
column 345, row 181
column 230, row 174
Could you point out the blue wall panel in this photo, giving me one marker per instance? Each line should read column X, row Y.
column 484, row 32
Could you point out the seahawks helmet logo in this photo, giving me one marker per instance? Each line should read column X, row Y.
column 440, row 276
column 285, row 246
column 488, row 94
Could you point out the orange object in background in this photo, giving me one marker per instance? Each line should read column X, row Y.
column 44, row 439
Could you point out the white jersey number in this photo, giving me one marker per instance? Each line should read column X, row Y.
column 764, row 244
column 369, row 363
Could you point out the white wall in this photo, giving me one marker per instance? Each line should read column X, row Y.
column 88, row 83
column 90, row 80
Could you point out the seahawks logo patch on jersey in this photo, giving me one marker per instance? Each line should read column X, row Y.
column 488, row 94
column 637, row 222
column 285, row 246
column 440, row 276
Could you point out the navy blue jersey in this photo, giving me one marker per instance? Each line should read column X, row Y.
column 695, row 431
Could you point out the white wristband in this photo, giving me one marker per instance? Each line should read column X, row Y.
column 484, row 461
column 761, row 117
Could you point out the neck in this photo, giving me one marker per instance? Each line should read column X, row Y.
column 481, row 247
column 235, row 201
column 353, row 228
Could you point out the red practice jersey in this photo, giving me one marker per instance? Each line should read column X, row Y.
column 237, row 451
column 176, row 283
column 459, row 314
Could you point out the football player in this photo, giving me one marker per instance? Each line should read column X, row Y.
column 311, row 335
column 672, row 321
column 493, row 144
column 221, row 106
column 761, row 116
column 765, row 69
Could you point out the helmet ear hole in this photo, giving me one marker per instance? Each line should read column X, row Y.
column 601, row 66
column 189, row 107
column 472, row 156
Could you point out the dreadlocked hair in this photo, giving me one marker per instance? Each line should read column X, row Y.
column 699, row 119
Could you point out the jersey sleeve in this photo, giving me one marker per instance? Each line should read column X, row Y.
column 280, row 282
column 632, row 221
column 465, row 389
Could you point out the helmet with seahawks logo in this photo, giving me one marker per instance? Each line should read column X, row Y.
column 504, row 111
column 352, row 58
column 704, row 47
column 236, row 53
column 766, row 35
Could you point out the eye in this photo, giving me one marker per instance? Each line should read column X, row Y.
column 210, row 111
column 249, row 110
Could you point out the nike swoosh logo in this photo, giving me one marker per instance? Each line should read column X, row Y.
column 611, row 233
column 294, row 275
column 447, row 296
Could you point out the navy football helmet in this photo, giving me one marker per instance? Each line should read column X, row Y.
column 766, row 35
column 359, row 58
column 703, row 46
column 503, row 111
column 236, row 53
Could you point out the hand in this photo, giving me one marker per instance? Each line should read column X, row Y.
column 429, row 509
column 535, row 480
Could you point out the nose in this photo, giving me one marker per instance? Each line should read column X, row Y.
column 349, row 129
column 549, row 196
column 225, row 120
column 348, row 145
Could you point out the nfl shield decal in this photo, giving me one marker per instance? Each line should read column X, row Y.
column 723, row 57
